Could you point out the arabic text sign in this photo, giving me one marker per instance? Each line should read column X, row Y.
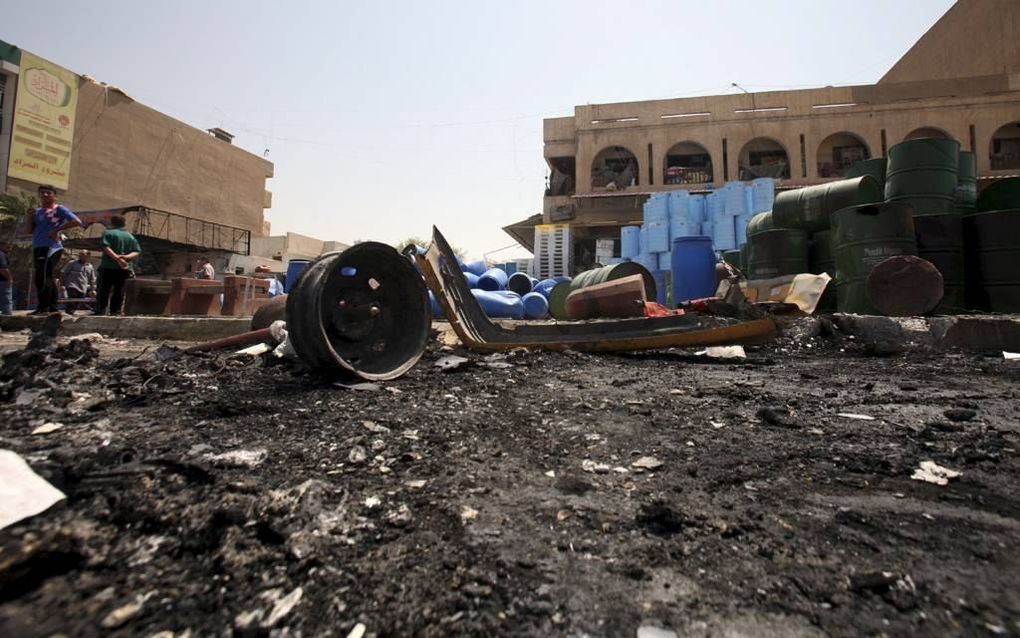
column 43, row 131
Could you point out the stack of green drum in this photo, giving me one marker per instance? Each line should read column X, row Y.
column 938, row 181
column 874, row 168
column 795, row 237
column 862, row 237
column 992, row 235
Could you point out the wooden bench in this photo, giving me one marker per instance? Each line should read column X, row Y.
column 146, row 297
column 242, row 296
column 195, row 296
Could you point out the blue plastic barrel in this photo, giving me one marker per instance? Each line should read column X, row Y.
column 294, row 268
column 642, row 240
column 664, row 261
column 740, row 228
column 630, row 241
column 658, row 236
column 656, row 208
column 472, row 279
column 707, row 228
column 437, row 312
column 763, row 194
column 678, row 203
column 501, row 304
column 649, row 260
column 477, row 267
column 545, row 286
column 682, row 224
column 696, row 206
column 493, row 279
column 660, row 285
column 724, row 235
column 735, row 198
column 521, row 282
column 536, row 305
column 693, row 268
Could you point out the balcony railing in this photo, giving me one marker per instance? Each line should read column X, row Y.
column 687, row 175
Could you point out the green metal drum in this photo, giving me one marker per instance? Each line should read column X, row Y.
column 558, row 295
column 777, row 252
column 966, row 183
column 940, row 241
column 1002, row 194
column 821, row 260
column 874, row 168
column 923, row 174
column 809, row 208
column 993, row 251
column 732, row 257
column 760, row 222
column 864, row 236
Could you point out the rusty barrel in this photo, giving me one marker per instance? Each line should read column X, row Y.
column 863, row 236
column 558, row 295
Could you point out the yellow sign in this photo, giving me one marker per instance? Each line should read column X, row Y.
column 43, row 132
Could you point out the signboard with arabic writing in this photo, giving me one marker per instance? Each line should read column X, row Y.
column 43, row 122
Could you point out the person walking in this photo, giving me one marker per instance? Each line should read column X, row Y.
column 79, row 280
column 120, row 248
column 6, row 284
column 46, row 224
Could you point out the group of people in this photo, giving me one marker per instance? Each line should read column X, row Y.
column 80, row 280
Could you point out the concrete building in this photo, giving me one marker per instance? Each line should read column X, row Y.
column 961, row 80
column 183, row 189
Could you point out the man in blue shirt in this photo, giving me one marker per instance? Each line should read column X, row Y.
column 46, row 224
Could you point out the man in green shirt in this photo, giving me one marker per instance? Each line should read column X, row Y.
column 120, row 248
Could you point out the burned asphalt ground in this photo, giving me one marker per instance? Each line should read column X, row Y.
column 526, row 494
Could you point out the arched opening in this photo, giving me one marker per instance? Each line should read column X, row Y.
column 1004, row 151
column 561, row 176
column 687, row 163
column 614, row 168
column 838, row 151
column 763, row 157
column 927, row 131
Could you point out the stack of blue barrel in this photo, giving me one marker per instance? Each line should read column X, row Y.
column 504, row 292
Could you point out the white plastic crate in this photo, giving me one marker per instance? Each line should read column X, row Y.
column 525, row 265
column 552, row 251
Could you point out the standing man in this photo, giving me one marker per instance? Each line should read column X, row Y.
column 205, row 269
column 6, row 283
column 120, row 248
column 79, row 279
column 46, row 224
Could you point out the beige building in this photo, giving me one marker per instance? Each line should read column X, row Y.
column 960, row 80
column 197, row 191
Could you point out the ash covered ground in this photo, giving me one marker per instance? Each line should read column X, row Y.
column 530, row 493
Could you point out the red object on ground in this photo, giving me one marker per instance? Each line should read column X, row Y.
column 656, row 309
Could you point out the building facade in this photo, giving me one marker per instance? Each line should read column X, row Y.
column 960, row 80
column 124, row 153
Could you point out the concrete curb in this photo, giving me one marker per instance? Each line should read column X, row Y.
column 137, row 327
column 890, row 335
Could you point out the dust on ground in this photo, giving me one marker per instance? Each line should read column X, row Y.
column 527, row 493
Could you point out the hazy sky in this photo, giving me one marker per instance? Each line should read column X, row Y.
column 384, row 118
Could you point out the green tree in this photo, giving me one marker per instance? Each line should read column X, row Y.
column 424, row 243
